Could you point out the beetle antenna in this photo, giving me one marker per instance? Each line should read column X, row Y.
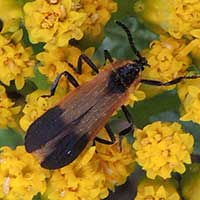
column 130, row 39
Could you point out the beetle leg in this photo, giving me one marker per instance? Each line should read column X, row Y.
column 107, row 56
column 121, row 133
column 1, row 25
column 172, row 82
column 54, row 85
column 129, row 129
column 110, row 134
column 82, row 57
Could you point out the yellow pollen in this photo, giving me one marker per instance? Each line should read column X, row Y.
column 52, row 1
column 171, row 165
column 149, row 198
column 63, row 13
column 10, row 63
column 94, row 17
column 29, row 188
column 1, row 51
column 158, row 137
column 29, row 63
column 17, row 55
column 49, row 20
column 183, row 147
column 145, row 141
column 6, row 186
column 168, row 138
column 62, row 194
column 76, row 6
column 165, row 153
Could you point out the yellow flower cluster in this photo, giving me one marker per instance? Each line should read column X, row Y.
column 15, row 61
column 36, row 105
column 53, row 22
column 189, row 92
column 165, row 60
column 56, row 22
column 169, row 58
column 55, row 60
column 177, row 17
column 8, row 110
column 21, row 176
column 96, row 170
column 98, row 13
column 157, row 190
column 162, row 148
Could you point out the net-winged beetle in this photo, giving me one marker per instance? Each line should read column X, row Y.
column 62, row 132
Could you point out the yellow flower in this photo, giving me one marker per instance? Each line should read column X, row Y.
column 21, row 177
column 165, row 60
column 15, row 60
column 36, row 105
column 157, row 189
column 177, row 17
column 8, row 110
column 162, row 148
column 169, row 59
column 54, row 61
column 53, row 22
column 98, row 14
column 10, row 14
column 189, row 92
column 116, row 165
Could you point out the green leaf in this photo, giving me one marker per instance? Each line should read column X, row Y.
column 194, row 129
column 38, row 196
column 162, row 107
column 37, row 48
column 40, row 80
column 9, row 137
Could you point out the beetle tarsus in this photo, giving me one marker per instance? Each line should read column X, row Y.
column 110, row 134
column 107, row 56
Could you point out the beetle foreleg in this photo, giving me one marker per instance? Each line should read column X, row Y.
column 54, row 85
column 82, row 57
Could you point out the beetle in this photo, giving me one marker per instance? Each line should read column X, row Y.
column 63, row 132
